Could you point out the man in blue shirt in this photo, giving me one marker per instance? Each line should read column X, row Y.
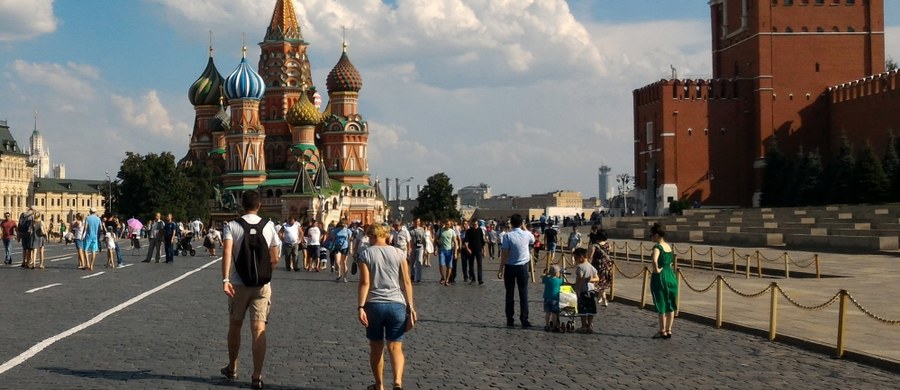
column 169, row 237
column 514, row 260
column 91, row 237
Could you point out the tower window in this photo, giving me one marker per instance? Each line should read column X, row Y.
column 817, row 67
column 788, row 30
column 820, row 2
column 851, row 29
column 705, row 131
column 788, row 2
column 690, row 131
column 804, row 29
column 835, row 29
column 820, row 29
column 851, row 2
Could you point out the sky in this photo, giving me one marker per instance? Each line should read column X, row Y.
column 527, row 96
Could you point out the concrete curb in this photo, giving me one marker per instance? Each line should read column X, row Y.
column 809, row 345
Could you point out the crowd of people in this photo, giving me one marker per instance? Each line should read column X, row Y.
column 389, row 260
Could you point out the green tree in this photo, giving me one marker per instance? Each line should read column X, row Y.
column 810, row 192
column 891, row 164
column 841, row 185
column 198, row 179
column 773, row 177
column 436, row 201
column 870, row 181
column 890, row 65
column 152, row 183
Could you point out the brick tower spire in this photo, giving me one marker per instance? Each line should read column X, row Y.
column 284, row 67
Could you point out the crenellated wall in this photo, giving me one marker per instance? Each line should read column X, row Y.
column 866, row 110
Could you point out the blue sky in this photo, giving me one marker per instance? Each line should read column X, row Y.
column 449, row 85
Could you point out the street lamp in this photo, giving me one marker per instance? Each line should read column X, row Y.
column 623, row 179
column 400, row 198
column 109, row 193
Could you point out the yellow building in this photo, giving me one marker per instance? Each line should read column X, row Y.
column 15, row 174
column 60, row 199
column 551, row 199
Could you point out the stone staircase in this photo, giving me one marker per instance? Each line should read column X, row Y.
column 843, row 229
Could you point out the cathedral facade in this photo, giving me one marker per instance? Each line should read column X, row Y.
column 265, row 131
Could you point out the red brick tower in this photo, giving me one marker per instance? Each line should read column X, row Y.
column 345, row 134
column 285, row 68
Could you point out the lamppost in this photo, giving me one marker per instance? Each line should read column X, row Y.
column 400, row 198
column 109, row 193
column 624, row 179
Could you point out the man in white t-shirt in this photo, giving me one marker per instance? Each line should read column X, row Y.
column 241, row 299
column 290, row 236
column 197, row 229
column 313, row 237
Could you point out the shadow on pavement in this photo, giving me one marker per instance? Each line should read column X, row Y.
column 140, row 375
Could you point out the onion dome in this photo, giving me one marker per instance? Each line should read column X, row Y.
column 207, row 89
column 344, row 77
column 303, row 113
column 244, row 82
column 221, row 121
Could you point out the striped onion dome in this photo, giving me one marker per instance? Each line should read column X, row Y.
column 244, row 83
column 303, row 113
column 208, row 87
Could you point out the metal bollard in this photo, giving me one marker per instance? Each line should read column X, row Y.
column 678, row 296
column 626, row 252
column 612, row 283
column 747, row 269
column 787, row 270
column 691, row 249
column 818, row 275
column 642, row 252
column 712, row 260
column 842, row 315
column 758, row 265
column 719, row 302
column 644, row 287
column 733, row 261
column 773, row 312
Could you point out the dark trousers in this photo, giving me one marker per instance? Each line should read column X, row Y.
column 453, row 267
column 153, row 249
column 170, row 251
column 476, row 259
column 491, row 249
column 7, row 246
column 465, row 259
column 516, row 276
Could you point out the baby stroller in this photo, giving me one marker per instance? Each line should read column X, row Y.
column 568, row 307
column 184, row 245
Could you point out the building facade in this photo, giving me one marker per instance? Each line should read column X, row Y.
column 265, row 131
column 804, row 72
column 550, row 199
column 60, row 199
column 473, row 195
column 16, row 173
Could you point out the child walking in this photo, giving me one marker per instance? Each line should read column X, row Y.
column 552, row 283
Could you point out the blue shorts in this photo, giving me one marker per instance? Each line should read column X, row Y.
column 551, row 247
column 445, row 258
column 386, row 321
column 79, row 244
column 90, row 245
column 551, row 306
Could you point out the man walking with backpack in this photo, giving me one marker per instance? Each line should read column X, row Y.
column 250, row 253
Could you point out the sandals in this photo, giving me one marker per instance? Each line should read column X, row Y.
column 659, row 335
column 229, row 374
column 257, row 384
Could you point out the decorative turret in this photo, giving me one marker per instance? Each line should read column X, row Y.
column 208, row 87
column 284, row 26
column 304, row 113
column 344, row 77
column 244, row 82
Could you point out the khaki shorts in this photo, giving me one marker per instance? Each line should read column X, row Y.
column 258, row 300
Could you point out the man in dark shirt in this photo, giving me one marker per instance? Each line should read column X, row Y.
column 475, row 250
column 169, row 237
column 551, row 236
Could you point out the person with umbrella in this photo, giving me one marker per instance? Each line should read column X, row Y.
column 134, row 232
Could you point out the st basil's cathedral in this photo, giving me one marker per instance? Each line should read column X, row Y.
column 264, row 131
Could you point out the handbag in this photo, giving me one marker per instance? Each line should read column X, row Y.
column 410, row 322
column 353, row 268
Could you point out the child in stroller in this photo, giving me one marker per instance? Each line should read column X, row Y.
column 184, row 245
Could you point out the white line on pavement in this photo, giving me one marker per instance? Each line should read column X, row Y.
column 37, row 348
column 92, row 275
column 125, row 266
column 61, row 259
column 41, row 288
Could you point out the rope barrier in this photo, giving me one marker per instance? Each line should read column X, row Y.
column 699, row 291
column 701, row 254
column 680, row 252
column 745, row 295
column 809, row 262
column 616, row 266
column 717, row 253
column 810, row 308
column 869, row 314
column 629, row 247
column 768, row 259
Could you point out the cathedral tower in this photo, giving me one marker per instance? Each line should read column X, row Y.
column 245, row 159
column 39, row 155
column 207, row 98
column 284, row 68
column 345, row 135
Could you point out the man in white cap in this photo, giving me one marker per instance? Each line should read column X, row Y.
column 91, row 237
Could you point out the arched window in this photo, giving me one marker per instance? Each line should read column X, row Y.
column 804, row 29
column 851, row 29
column 820, row 29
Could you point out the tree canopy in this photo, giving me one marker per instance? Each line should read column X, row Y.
column 153, row 183
column 436, row 201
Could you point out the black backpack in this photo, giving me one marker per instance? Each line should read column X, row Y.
column 252, row 262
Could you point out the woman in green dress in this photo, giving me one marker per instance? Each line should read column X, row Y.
column 663, row 284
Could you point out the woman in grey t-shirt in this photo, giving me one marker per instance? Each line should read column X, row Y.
column 385, row 303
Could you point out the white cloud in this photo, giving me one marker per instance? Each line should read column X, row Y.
column 25, row 19
column 71, row 79
column 147, row 114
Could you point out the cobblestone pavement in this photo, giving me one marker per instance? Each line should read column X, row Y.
column 174, row 339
